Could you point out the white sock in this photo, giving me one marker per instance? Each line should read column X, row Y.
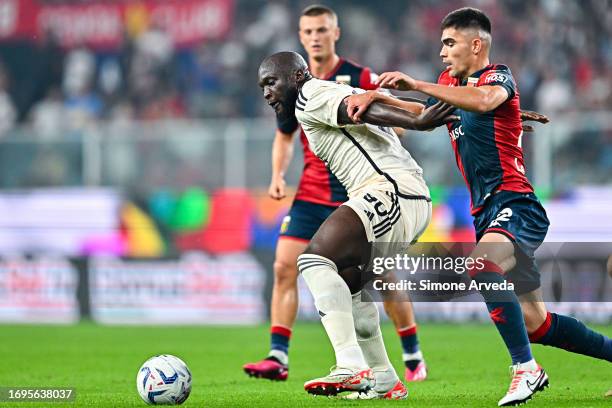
column 333, row 301
column 530, row 365
column 412, row 356
column 385, row 380
column 280, row 356
column 369, row 337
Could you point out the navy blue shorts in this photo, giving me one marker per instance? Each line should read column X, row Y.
column 304, row 219
column 520, row 217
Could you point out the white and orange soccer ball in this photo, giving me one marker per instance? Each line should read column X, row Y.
column 164, row 380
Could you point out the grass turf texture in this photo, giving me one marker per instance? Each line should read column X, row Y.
column 468, row 366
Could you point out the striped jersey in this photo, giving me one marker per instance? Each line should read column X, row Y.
column 358, row 155
column 318, row 184
column 487, row 145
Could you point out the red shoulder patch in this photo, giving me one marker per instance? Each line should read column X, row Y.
column 446, row 79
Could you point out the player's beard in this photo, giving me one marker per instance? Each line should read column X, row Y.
column 287, row 110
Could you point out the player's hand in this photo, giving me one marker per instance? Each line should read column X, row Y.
column 277, row 188
column 436, row 115
column 533, row 116
column 357, row 104
column 396, row 80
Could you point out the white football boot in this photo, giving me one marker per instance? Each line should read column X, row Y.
column 524, row 384
column 340, row 380
column 397, row 392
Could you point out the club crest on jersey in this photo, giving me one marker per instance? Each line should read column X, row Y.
column 343, row 79
column 503, row 216
column 455, row 133
column 496, row 77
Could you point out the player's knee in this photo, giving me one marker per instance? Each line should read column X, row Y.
column 533, row 318
column 330, row 292
column 508, row 263
column 314, row 248
column 483, row 269
column 285, row 273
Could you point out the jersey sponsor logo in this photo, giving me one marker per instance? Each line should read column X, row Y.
column 455, row 133
column 496, row 77
column 343, row 79
column 503, row 216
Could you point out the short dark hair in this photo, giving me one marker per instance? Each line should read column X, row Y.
column 467, row 17
column 317, row 10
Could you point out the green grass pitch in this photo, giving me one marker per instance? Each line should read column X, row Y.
column 468, row 366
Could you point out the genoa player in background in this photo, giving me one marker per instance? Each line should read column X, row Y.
column 510, row 222
column 318, row 195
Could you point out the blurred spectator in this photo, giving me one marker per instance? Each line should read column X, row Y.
column 554, row 94
column 8, row 114
column 82, row 103
column 79, row 70
column 48, row 115
column 156, row 44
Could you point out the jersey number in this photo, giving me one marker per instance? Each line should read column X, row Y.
column 519, row 167
column 379, row 207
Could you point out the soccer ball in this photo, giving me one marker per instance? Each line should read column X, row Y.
column 164, row 380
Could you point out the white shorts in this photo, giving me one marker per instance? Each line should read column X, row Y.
column 387, row 217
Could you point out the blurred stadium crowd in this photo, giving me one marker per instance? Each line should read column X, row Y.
column 560, row 52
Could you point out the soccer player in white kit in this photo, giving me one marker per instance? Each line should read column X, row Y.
column 388, row 202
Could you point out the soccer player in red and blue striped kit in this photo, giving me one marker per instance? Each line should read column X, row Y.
column 319, row 193
column 509, row 220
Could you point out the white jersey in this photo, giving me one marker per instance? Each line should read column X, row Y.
column 358, row 155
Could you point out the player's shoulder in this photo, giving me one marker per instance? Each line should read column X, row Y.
column 316, row 94
column 495, row 73
column 316, row 86
column 444, row 78
column 313, row 86
column 348, row 64
column 497, row 67
column 353, row 74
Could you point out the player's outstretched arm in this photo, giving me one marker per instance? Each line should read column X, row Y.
column 282, row 153
column 474, row 99
column 411, row 99
column 359, row 103
column 381, row 114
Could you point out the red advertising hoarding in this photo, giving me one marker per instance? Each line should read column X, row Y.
column 104, row 24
